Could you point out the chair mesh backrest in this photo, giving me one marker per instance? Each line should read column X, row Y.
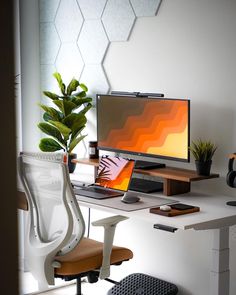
column 54, row 212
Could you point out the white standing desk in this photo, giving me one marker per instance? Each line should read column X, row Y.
column 214, row 215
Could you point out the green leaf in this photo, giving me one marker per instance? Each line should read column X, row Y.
column 79, row 101
column 74, row 120
column 51, row 130
column 47, row 117
column 66, row 107
column 78, row 123
column 65, row 131
column 74, row 143
column 49, row 145
column 83, row 86
column 80, row 94
column 60, row 82
column 54, row 114
column 77, row 132
column 87, row 108
column 72, row 86
column 69, row 120
column 51, row 95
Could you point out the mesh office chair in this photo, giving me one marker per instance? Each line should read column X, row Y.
column 55, row 246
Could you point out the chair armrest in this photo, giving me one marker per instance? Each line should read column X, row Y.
column 109, row 221
column 109, row 225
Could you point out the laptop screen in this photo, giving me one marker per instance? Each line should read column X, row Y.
column 114, row 172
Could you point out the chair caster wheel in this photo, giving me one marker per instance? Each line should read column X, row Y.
column 92, row 277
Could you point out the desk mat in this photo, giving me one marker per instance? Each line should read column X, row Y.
column 146, row 201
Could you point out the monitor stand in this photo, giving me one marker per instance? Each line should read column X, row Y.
column 145, row 185
column 139, row 164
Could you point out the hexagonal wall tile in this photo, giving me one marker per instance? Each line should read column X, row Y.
column 92, row 9
column 68, row 20
column 94, row 77
column 92, row 42
column 69, row 62
column 48, row 83
column 118, row 19
column 49, row 43
column 47, row 10
column 91, row 129
column 145, row 7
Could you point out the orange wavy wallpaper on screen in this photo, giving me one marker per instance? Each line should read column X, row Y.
column 122, row 180
column 155, row 130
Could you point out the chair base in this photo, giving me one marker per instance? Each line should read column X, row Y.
column 142, row 284
column 78, row 286
column 91, row 275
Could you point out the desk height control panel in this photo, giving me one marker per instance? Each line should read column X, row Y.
column 175, row 180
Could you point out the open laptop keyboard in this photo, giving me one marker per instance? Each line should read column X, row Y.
column 97, row 193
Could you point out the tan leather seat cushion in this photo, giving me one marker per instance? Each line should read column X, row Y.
column 88, row 256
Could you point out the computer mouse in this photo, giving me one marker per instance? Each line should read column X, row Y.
column 130, row 199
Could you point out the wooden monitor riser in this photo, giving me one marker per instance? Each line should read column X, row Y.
column 175, row 180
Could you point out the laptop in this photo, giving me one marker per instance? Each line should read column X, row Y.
column 113, row 178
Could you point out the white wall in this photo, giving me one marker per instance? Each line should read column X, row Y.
column 187, row 50
column 30, row 73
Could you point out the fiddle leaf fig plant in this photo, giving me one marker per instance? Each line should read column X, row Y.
column 64, row 121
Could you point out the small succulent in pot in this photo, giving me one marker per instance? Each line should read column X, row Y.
column 203, row 152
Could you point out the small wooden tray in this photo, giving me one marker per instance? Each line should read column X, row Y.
column 173, row 212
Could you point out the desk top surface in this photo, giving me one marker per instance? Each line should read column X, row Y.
column 214, row 213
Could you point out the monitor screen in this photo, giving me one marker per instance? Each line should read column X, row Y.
column 155, row 127
column 114, row 172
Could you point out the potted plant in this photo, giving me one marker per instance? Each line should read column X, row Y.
column 203, row 152
column 65, row 121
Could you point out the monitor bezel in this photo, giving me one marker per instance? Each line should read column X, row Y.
column 146, row 154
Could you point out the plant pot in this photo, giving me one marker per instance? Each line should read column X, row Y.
column 203, row 168
column 71, row 165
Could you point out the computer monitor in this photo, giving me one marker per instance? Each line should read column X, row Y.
column 150, row 127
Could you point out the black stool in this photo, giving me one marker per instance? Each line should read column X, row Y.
column 141, row 284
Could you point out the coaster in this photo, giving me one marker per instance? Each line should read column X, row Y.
column 173, row 212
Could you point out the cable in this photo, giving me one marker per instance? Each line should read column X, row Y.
column 88, row 225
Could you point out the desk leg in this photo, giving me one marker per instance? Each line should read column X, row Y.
column 219, row 284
